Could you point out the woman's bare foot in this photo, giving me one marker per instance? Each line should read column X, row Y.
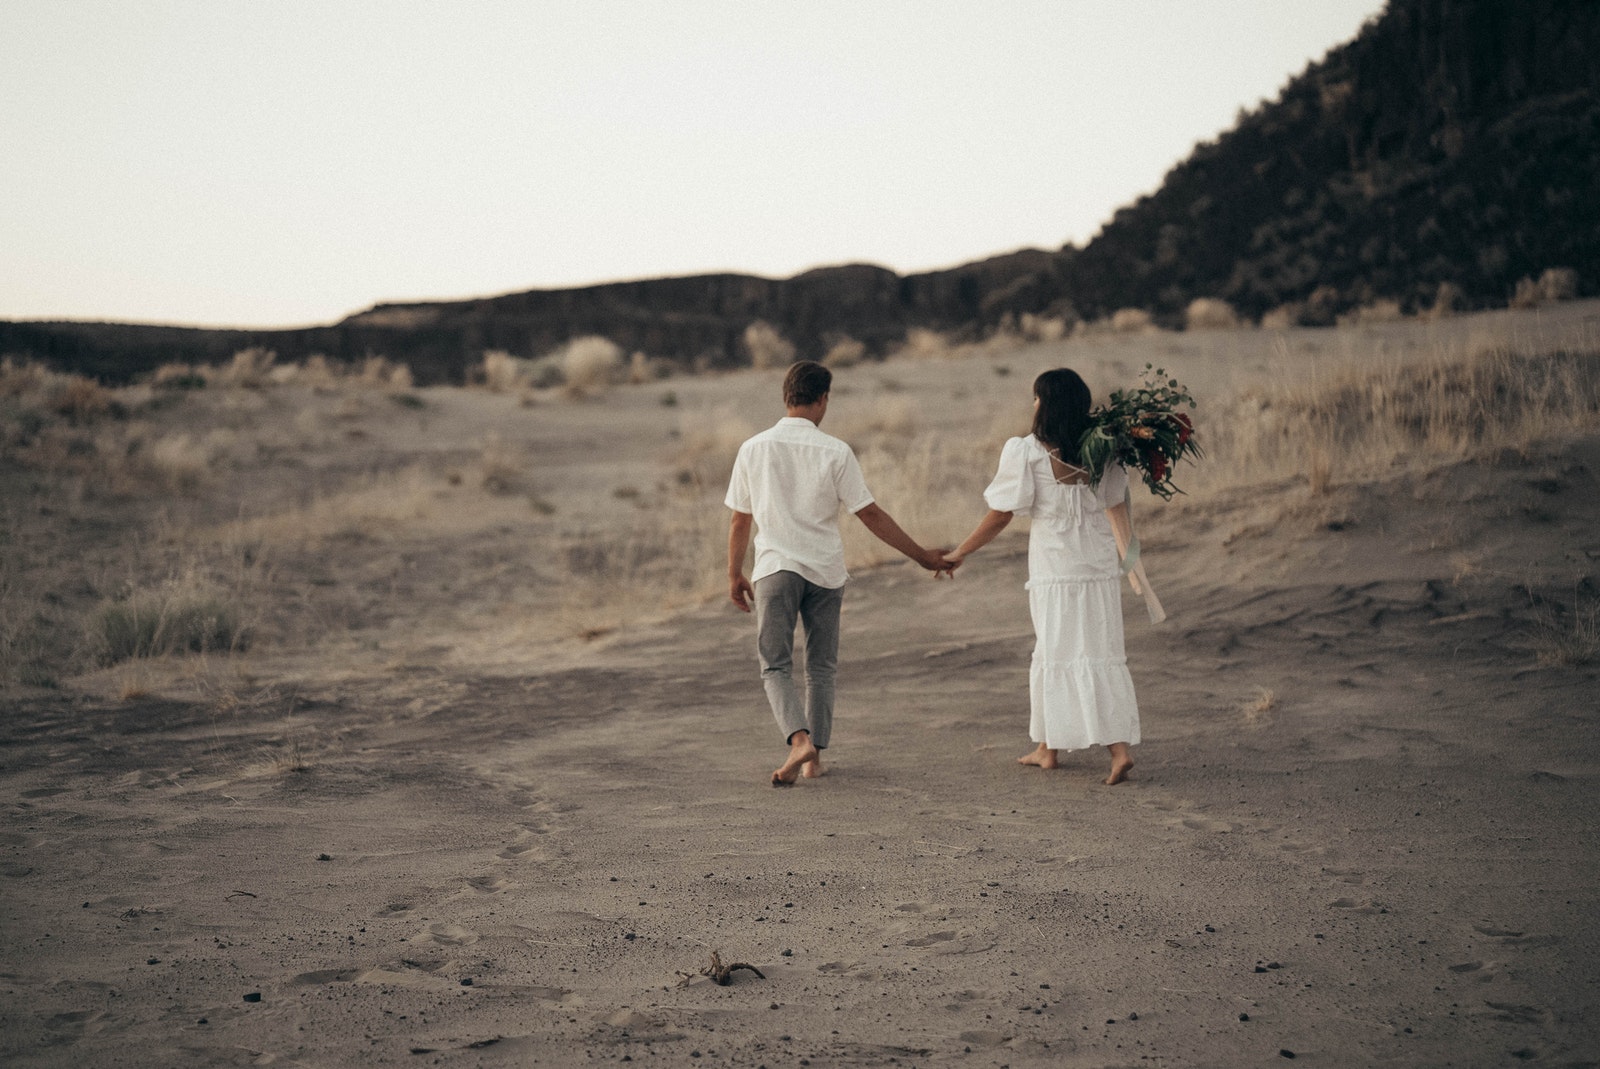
column 1121, row 764
column 1043, row 757
column 801, row 752
column 812, row 769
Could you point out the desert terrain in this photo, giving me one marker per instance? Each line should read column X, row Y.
column 350, row 723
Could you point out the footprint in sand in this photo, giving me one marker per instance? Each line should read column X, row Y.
column 1346, row 875
column 524, row 850
column 394, row 909
column 1355, row 905
column 1206, row 824
column 489, row 885
column 930, row 940
column 446, row 934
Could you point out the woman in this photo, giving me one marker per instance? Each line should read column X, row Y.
column 1079, row 685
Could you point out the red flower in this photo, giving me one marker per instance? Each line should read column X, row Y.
column 1158, row 466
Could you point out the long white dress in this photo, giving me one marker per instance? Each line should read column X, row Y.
column 1081, row 692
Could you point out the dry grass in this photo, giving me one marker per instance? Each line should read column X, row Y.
column 1362, row 423
column 1259, row 704
column 1210, row 313
column 767, row 348
column 1564, row 638
column 190, row 613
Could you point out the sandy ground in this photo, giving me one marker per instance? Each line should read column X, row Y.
column 1360, row 830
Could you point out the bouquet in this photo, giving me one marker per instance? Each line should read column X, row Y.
column 1143, row 430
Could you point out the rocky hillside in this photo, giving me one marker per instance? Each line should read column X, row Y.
column 1451, row 151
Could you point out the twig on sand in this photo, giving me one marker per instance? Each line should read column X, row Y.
column 720, row 974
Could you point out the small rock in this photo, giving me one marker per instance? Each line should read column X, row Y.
column 1133, row 1016
column 630, row 937
column 202, row 1021
column 466, row 981
column 254, row 996
column 324, row 857
column 1286, row 1053
column 1261, row 968
column 153, row 961
column 788, row 954
column 1244, row 1017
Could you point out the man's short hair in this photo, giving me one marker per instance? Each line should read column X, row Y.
column 806, row 383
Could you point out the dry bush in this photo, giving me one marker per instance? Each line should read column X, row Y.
column 381, row 373
column 767, row 348
column 250, row 368
column 177, row 461
column 590, row 364
column 178, row 377
column 1259, row 705
column 708, row 442
column 1283, row 317
column 81, row 400
column 185, row 614
column 1037, row 328
column 500, row 467
column 643, row 369
column 1448, row 299
column 846, row 352
column 1558, row 284
column 1379, row 311
column 18, row 380
column 1132, row 321
column 503, row 372
column 1570, row 638
column 1210, row 313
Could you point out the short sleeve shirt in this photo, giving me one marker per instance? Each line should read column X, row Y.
column 793, row 479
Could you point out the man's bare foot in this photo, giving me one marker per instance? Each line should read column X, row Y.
column 801, row 752
column 813, row 769
column 1121, row 764
column 1043, row 757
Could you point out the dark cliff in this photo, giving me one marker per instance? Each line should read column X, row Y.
column 1453, row 141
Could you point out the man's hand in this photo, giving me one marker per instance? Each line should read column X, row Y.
column 934, row 560
column 740, row 592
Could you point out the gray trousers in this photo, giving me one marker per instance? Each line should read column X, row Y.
column 781, row 599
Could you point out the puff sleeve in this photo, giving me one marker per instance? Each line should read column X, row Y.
column 1112, row 489
column 1011, row 490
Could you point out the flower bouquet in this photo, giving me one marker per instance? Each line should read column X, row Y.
column 1144, row 430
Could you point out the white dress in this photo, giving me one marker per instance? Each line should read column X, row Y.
column 1081, row 692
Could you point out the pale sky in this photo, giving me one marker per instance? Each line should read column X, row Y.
column 288, row 162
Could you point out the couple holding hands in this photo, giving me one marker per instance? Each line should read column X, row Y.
column 789, row 482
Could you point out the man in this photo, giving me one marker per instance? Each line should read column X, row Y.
column 790, row 481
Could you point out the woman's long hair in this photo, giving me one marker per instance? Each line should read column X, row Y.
column 1063, row 413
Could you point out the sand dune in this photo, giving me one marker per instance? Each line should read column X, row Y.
column 459, row 802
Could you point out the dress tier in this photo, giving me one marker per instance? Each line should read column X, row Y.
column 1080, row 690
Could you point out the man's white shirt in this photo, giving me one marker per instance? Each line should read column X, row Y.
column 793, row 478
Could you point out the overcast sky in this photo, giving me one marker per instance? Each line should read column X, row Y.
column 284, row 162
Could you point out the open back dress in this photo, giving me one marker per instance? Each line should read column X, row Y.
column 1079, row 685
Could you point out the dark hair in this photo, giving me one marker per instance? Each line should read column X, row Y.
column 806, row 383
column 1063, row 414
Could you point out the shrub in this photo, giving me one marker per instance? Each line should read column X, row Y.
column 846, row 352
column 1448, row 299
column 250, row 368
column 1132, row 321
column 1210, row 313
column 183, row 615
column 503, row 372
column 1558, row 284
column 1282, row 317
column 767, row 348
column 81, row 400
column 590, row 363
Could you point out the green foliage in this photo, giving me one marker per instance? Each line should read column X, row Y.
column 1145, row 429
